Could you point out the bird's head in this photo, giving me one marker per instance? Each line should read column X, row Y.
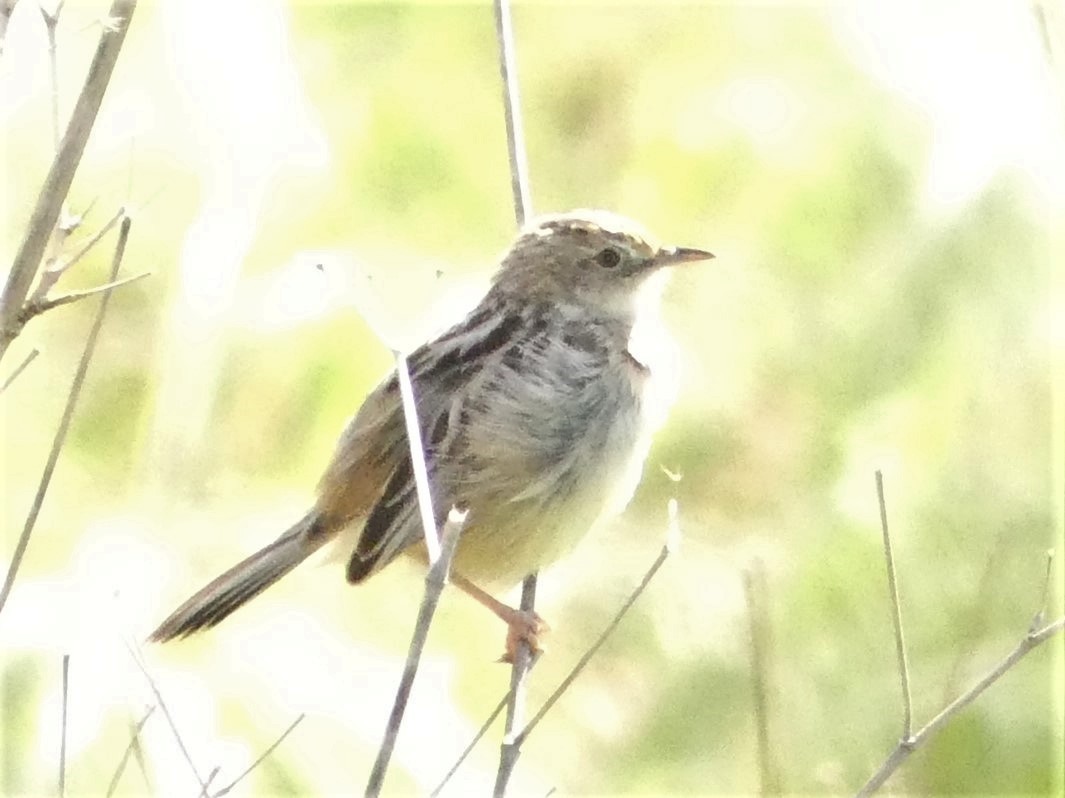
column 591, row 257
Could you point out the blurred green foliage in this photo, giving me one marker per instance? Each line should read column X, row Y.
column 849, row 323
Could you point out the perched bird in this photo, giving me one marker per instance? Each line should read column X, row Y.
column 536, row 413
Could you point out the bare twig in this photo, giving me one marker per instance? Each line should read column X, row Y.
column 758, row 624
column 210, row 778
column 130, row 748
column 20, row 368
column 1037, row 634
column 896, row 614
column 473, row 743
column 169, row 719
column 435, row 580
column 1040, row 614
column 63, row 727
column 582, row 663
column 510, row 748
column 976, row 619
column 64, row 423
column 37, row 307
column 417, row 459
column 273, row 747
column 519, row 181
column 906, row 747
column 670, row 547
column 519, row 169
column 57, row 183
column 50, row 276
column 51, row 22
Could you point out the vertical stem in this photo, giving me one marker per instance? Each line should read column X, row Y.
column 519, row 181
column 896, row 615
column 63, row 728
column 519, row 168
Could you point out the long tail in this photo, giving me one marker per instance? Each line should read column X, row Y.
column 244, row 581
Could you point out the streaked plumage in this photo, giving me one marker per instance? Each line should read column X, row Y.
column 535, row 413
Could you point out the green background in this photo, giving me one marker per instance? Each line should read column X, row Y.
column 883, row 191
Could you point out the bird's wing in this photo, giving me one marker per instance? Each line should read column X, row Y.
column 375, row 442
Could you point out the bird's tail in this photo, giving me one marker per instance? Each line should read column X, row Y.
column 244, row 581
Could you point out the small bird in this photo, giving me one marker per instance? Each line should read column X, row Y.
column 536, row 413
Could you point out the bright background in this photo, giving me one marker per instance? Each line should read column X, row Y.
column 884, row 187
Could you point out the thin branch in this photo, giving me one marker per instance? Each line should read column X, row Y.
column 671, row 546
column 473, row 743
column 582, row 663
column 273, row 747
column 976, row 619
column 519, row 181
column 906, row 747
column 1044, row 603
column 519, row 168
column 51, row 22
column 50, row 276
column 64, row 423
column 896, row 614
column 134, row 742
column 61, row 174
column 758, row 627
column 130, row 748
column 510, row 748
column 435, row 580
column 20, row 368
column 37, row 307
column 417, row 459
column 169, row 719
column 207, row 782
column 63, row 729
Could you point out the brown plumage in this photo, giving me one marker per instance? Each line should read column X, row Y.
column 536, row 414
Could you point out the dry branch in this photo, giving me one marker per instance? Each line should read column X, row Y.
column 134, row 739
column 64, row 422
column 435, row 580
column 57, row 184
column 519, row 181
column 261, row 758
column 1038, row 633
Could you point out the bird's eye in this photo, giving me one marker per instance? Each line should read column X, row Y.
column 608, row 258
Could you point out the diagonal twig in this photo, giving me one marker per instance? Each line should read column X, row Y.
column 435, row 580
column 905, row 748
column 1037, row 634
column 37, row 307
column 261, row 758
column 582, row 663
column 50, row 275
column 896, row 614
column 417, row 461
column 57, row 184
column 670, row 547
column 481, row 732
column 21, row 367
column 64, row 423
column 134, row 654
column 130, row 748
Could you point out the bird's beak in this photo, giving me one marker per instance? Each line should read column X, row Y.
column 668, row 256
